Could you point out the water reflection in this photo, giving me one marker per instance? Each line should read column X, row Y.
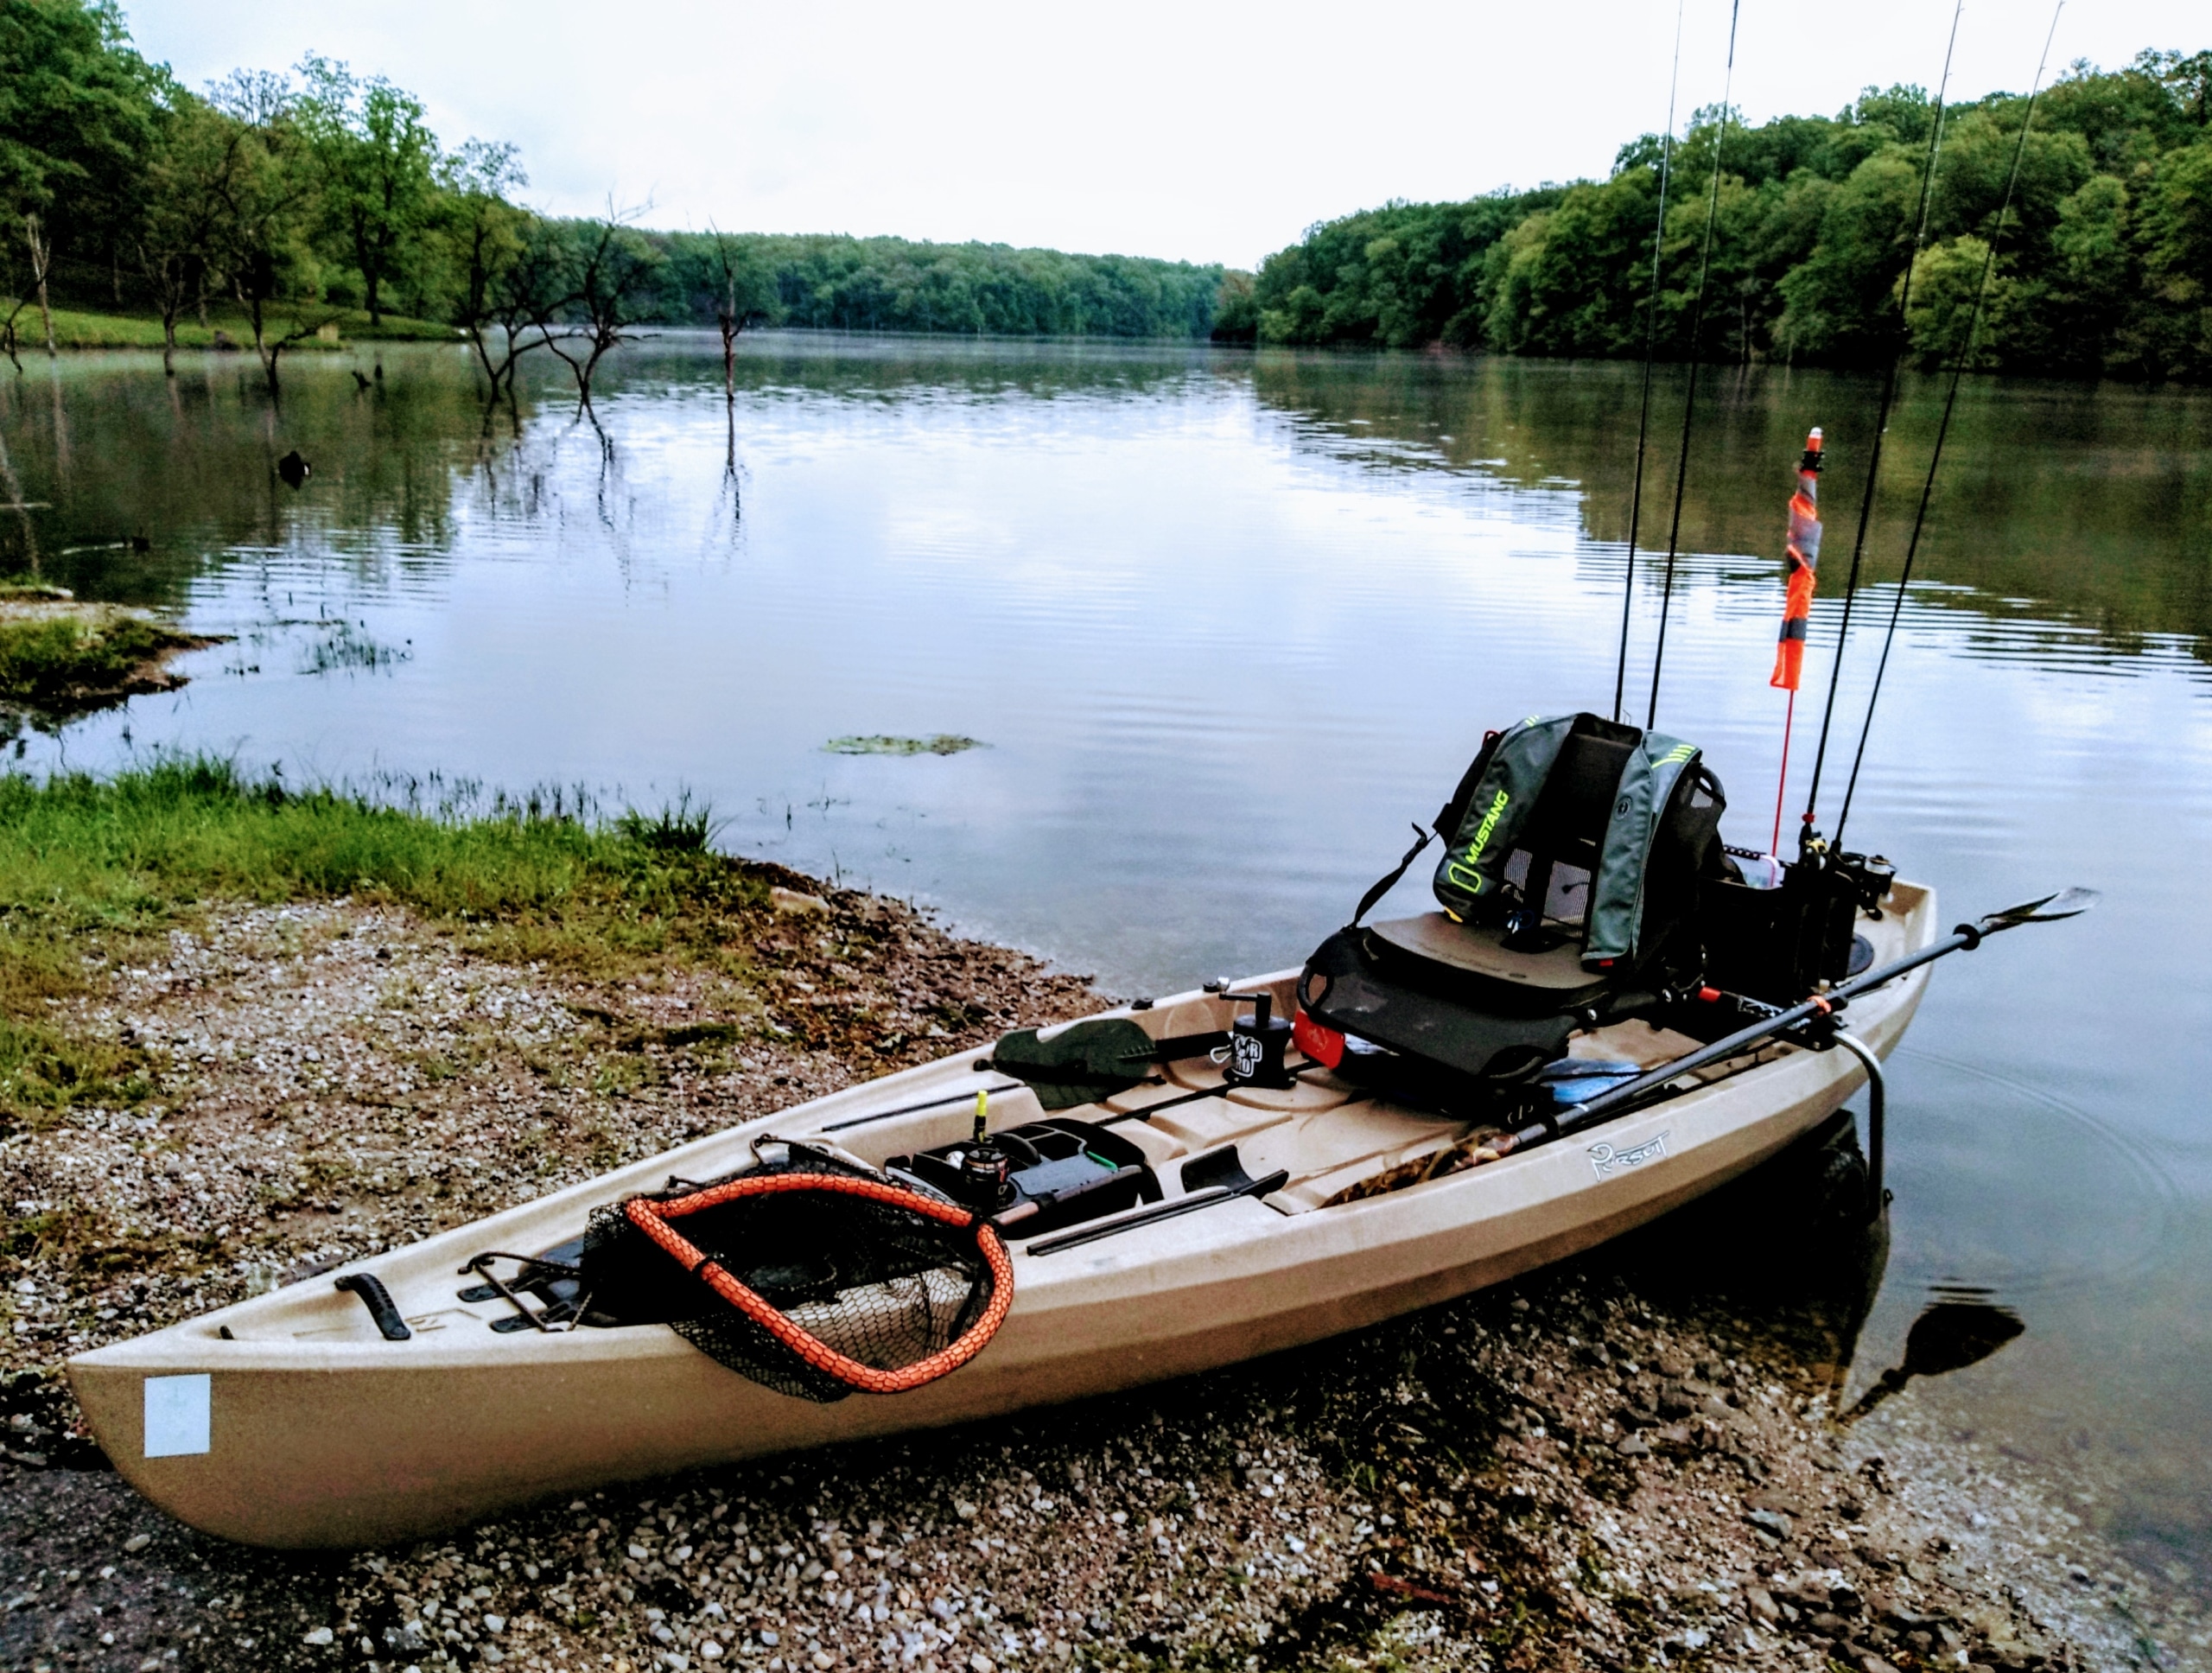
column 1227, row 625
column 1962, row 1328
column 2088, row 502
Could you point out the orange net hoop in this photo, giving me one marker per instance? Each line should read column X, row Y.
column 653, row 1218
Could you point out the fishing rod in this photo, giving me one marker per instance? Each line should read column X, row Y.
column 1689, row 399
column 1944, row 426
column 2067, row 903
column 1651, row 352
column 1881, row 429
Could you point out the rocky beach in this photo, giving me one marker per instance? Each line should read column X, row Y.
column 1598, row 1466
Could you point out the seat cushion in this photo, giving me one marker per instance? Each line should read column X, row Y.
column 1471, row 1025
column 1479, row 949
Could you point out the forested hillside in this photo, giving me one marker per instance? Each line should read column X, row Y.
column 121, row 190
column 890, row 284
column 2104, row 261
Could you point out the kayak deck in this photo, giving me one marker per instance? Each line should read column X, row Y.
column 292, row 1418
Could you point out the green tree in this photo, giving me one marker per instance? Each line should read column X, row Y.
column 1576, row 279
column 1837, row 302
column 2095, row 274
column 1236, row 310
column 488, row 239
column 377, row 164
column 194, row 176
column 260, row 237
column 1949, row 313
column 78, row 109
column 2177, row 228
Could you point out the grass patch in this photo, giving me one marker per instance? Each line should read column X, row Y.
column 73, row 329
column 944, row 743
column 64, row 656
column 104, row 865
column 92, row 1244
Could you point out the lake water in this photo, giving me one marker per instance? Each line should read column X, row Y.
column 1224, row 626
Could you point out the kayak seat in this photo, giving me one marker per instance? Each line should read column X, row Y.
column 1492, row 987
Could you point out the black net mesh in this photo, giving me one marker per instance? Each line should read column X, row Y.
column 880, row 1284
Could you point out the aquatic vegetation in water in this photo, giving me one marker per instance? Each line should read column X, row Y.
column 348, row 645
column 944, row 743
column 679, row 828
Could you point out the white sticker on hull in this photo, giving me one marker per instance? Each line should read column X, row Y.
column 1608, row 1160
column 177, row 1410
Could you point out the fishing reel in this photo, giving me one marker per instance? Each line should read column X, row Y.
column 980, row 1176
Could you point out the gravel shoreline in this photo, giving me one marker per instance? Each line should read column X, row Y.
column 1588, row 1468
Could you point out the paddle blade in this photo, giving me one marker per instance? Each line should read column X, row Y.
column 2067, row 903
column 1953, row 1333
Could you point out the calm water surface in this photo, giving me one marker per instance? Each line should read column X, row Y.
column 1225, row 627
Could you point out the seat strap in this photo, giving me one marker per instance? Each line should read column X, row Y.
column 1388, row 881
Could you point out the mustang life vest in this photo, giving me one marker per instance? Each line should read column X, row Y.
column 1489, row 816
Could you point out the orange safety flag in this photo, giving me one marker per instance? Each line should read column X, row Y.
column 1804, row 567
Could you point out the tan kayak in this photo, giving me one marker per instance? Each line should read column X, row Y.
column 291, row 1420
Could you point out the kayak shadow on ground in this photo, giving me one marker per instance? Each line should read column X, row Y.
column 1792, row 1247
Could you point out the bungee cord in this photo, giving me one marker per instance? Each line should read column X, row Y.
column 1651, row 352
column 1944, row 425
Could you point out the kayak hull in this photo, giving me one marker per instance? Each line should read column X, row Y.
column 289, row 1420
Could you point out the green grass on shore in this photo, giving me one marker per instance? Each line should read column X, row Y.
column 75, row 330
column 56, row 662
column 91, row 869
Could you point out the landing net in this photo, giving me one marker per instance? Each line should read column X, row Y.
column 808, row 1276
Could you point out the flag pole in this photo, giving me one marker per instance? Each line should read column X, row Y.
column 1782, row 781
column 1804, row 551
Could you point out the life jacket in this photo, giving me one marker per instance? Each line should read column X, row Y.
column 1565, row 777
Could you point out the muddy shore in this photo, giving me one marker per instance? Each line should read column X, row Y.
column 1603, row 1466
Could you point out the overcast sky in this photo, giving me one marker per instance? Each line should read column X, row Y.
column 1207, row 132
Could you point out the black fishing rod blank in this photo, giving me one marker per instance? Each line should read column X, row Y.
column 1943, row 430
column 1651, row 352
column 1881, row 429
column 2067, row 903
column 1689, row 393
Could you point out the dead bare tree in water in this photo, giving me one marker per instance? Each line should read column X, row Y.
column 615, row 272
column 525, row 305
column 513, row 282
column 9, row 343
column 743, row 300
column 11, row 486
column 255, row 283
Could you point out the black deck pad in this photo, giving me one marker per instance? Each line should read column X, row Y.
column 1368, row 997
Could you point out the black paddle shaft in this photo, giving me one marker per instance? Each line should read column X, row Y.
column 1578, row 1117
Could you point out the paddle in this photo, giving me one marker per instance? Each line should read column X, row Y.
column 2067, row 903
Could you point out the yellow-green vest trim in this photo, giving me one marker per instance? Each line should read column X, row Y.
column 1473, row 870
